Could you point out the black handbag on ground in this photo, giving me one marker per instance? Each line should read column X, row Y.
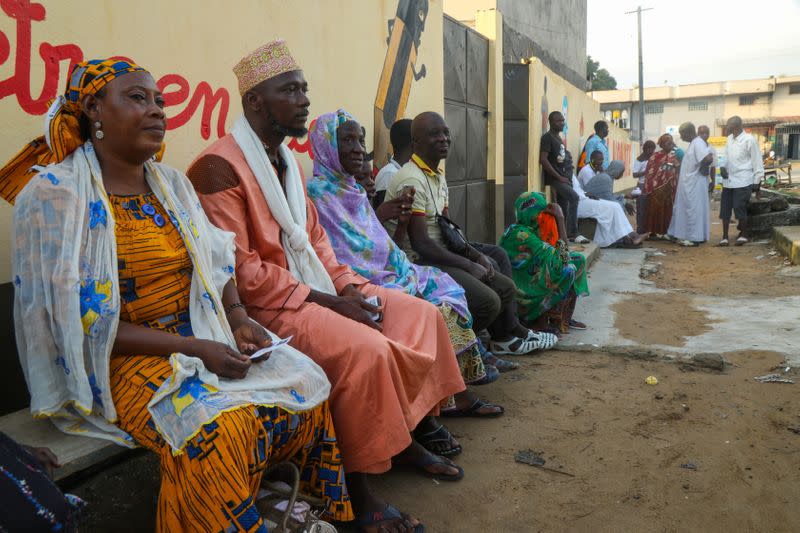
column 452, row 235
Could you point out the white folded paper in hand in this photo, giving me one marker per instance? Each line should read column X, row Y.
column 275, row 344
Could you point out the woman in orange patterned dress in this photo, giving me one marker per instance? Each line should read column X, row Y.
column 129, row 322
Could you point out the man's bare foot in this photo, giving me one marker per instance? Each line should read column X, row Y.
column 431, row 464
column 639, row 238
column 373, row 515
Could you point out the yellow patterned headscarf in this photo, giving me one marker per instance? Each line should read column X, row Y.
column 62, row 131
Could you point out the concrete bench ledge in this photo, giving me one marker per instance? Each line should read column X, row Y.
column 74, row 453
column 787, row 240
column 590, row 251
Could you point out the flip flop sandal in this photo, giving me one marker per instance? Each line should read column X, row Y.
column 501, row 364
column 515, row 346
column 741, row 240
column 388, row 513
column 687, row 243
column 492, row 375
column 438, row 435
column 574, row 324
column 547, row 339
column 472, row 411
column 724, row 242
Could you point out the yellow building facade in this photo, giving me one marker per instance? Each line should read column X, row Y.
column 380, row 60
column 190, row 47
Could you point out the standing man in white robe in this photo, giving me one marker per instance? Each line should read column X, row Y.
column 691, row 224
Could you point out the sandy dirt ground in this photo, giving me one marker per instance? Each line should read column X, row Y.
column 666, row 319
column 624, row 442
column 732, row 271
column 699, row 451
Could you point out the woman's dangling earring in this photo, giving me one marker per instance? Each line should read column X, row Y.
column 98, row 132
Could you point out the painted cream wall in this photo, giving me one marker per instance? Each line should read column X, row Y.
column 547, row 93
column 466, row 10
column 341, row 45
column 622, row 148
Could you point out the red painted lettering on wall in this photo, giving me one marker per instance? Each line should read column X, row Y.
column 25, row 13
column 19, row 83
column 304, row 146
column 203, row 92
column 622, row 151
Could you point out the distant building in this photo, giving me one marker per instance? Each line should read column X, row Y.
column 769, row 107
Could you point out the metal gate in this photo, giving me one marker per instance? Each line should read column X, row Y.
column 466, row 100
column 515, row 135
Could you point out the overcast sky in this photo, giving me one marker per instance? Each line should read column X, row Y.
column 695, row 41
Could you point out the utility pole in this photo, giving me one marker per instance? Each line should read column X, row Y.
column 641, row 70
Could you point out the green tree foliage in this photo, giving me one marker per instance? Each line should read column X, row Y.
column 599, row 78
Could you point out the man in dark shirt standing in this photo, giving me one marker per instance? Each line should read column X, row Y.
column 551, row 156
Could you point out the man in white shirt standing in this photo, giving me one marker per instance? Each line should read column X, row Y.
column 741, row 175
column 400, row 137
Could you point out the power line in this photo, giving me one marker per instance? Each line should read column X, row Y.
column 641, row 69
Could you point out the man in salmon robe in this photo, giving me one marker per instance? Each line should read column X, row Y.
column 387, row 375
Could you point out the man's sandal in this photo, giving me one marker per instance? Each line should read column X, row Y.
column 514, row 346
column 574, row 324
column 492, row 374
column 438, row 436
column 500, row 364
column 473, row 411
column 724, row 242
column 547, row 339
column 389, row 513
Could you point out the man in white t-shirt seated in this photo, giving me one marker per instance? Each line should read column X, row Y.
column 595, row 166
column 613, row 227
column 400, row 137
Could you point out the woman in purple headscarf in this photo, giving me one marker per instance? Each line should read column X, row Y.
column 360, row 241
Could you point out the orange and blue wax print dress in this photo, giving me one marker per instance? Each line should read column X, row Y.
column 211, row 486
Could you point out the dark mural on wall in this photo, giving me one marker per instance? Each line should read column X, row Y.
column 399, row 70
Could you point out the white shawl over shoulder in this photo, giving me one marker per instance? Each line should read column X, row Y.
column 66, row 309
column 289, row 209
